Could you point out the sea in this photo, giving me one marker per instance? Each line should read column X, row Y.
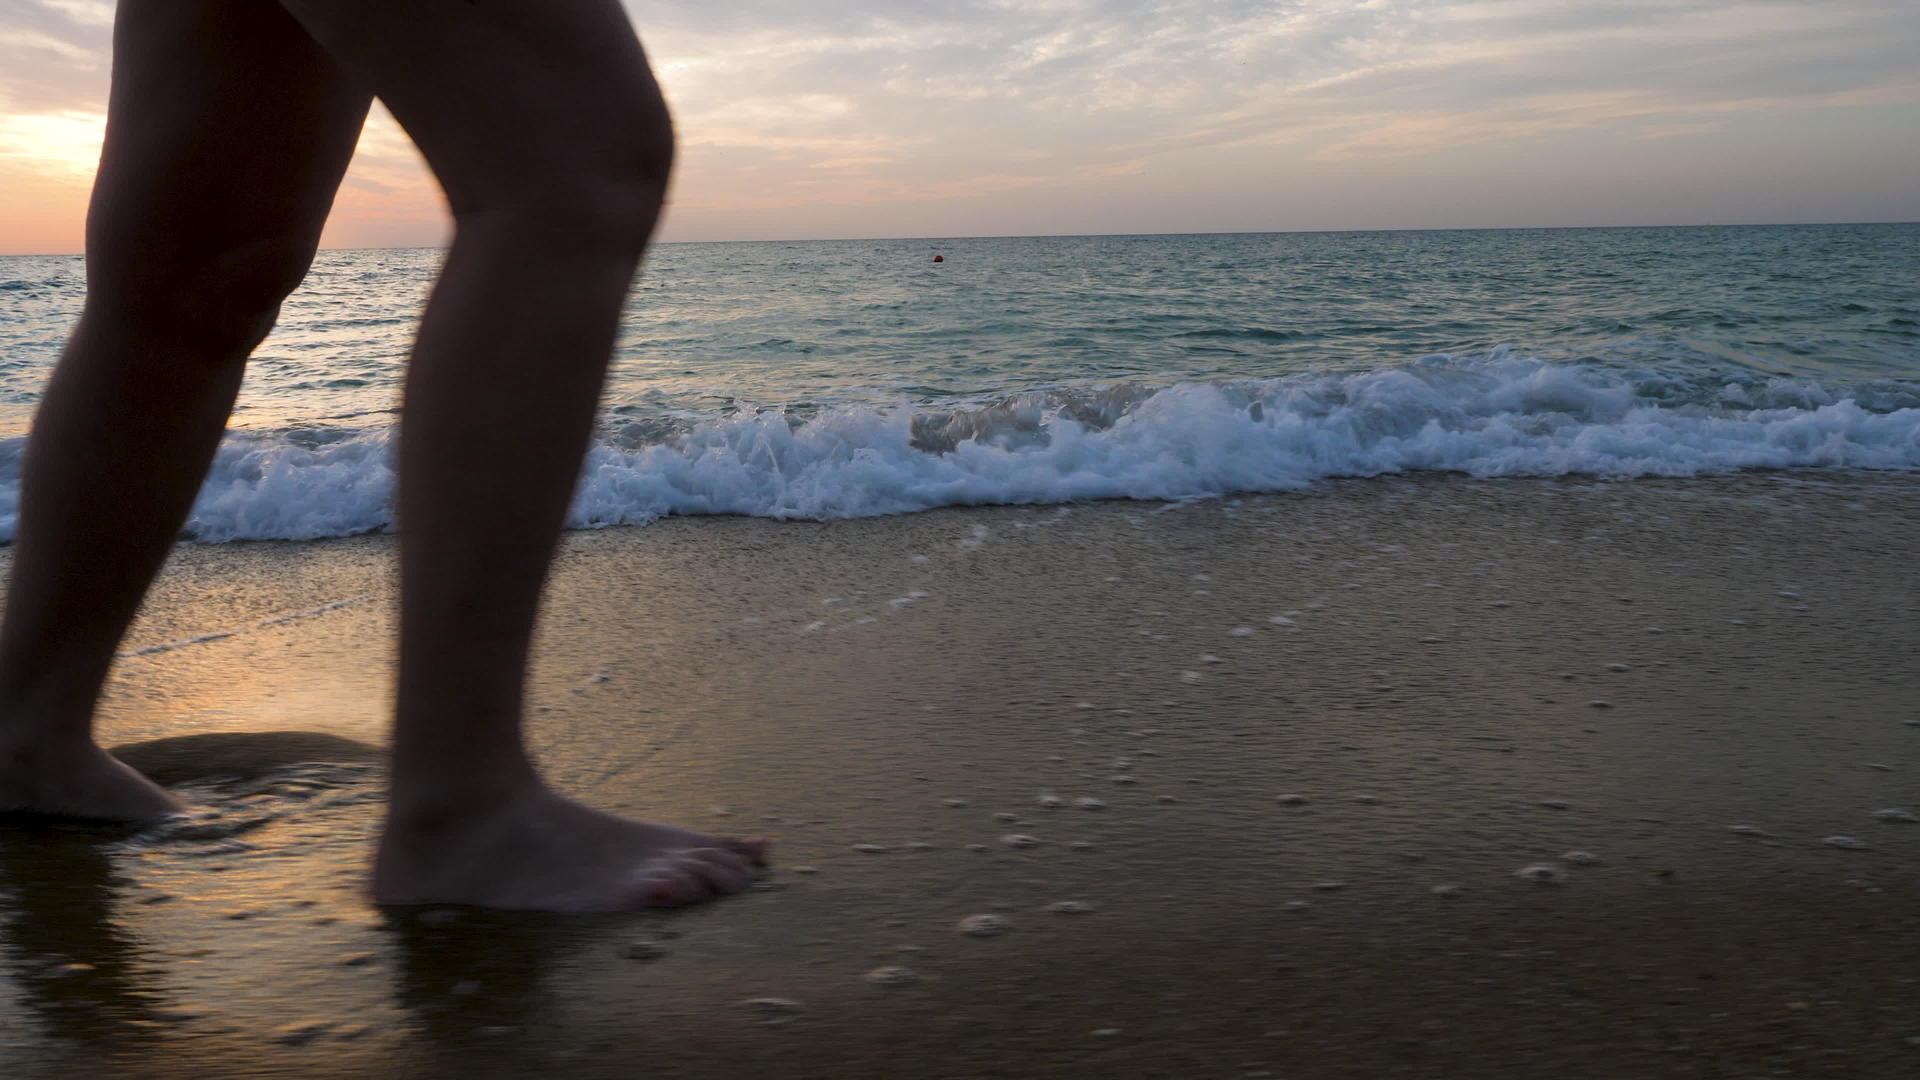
column 849, row 378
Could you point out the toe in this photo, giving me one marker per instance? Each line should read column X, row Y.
column 724, row 871
column 673, row 889
column 755, row 850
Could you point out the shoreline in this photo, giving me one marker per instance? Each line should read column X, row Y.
column 1429, row 695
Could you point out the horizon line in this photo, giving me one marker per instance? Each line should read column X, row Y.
column 1090, row 236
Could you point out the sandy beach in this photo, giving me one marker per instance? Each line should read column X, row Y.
column 1401, row 777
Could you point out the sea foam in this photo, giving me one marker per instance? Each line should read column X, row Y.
column 1494, row 416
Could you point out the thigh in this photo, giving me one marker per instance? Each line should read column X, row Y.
column 228, row 130
column 511, row 102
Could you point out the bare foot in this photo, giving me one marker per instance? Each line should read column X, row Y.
column 80, row 782
column 542, row 852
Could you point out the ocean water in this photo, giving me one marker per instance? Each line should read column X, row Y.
column 831, row 379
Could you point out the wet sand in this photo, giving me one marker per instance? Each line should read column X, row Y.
column 1326, row 732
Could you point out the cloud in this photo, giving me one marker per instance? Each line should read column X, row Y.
column 785, row 104
column 54, row 56
column 927, row 95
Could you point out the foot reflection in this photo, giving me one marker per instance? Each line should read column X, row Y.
column 78, row 969
column 467, row 976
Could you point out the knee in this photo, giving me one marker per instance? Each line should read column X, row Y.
column 222, row 294
column 605, row 199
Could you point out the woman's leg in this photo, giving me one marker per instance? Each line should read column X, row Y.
column 228, row 130
column 544, row 126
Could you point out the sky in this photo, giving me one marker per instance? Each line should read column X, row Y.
column 931, row 118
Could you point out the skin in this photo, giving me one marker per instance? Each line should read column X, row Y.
column 229, row 127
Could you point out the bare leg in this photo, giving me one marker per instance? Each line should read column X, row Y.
column 548, row 134
column 219, row 168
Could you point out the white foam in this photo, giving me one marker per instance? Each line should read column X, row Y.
column 1494, row 416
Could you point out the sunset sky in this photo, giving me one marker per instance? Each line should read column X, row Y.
column 807, row 118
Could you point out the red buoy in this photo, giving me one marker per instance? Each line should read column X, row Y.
column 939, row 258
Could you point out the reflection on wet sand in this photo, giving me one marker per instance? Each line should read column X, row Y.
column 463, row 974
column 242, row 925
column 80, row 969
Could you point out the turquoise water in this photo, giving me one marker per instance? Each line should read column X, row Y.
column 836, row 378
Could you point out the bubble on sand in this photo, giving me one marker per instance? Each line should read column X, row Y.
column 1123, row 779
column 1165, row 799
column 891, row 975
column 1003, row 816
column 919, row 845
column 954, row 802
column 1292, row 800
column 1581, row 858
column 918, row 560
column 1329, row 886
column 1655, row 630
column 1445, row 890
column 1896, row 816
column 1240, row 631
column 1081, row 845
column 1191, row 676
column 985, row 925
column 1499, row 603
column 1209, row 658
column 1088, row 802
column 976, row 848
column 1020, row 840
column 1070, row 907
column 813, row 626
column 1542, row 874
column 772, row 1011
column 1555, row 804
column 1845, row 843
column 1787, row 594
column 1122, row 763
column 1281, row 620
column 1368, row 800
column 1052, row 802
column 872, row 849
column 1619, row 667
column 1296, row 906
column 1747, row 830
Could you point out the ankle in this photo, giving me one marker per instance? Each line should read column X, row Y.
column 424, row 812
column 36, row 746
